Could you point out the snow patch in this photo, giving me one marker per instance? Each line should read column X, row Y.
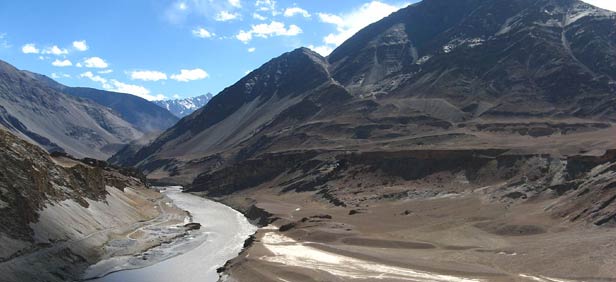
column 423, row 60
column 469, row 42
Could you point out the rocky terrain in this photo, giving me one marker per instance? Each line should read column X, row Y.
column 466, row 140
column 183, row 107
column 429, row 215
column 60, row 214
column 490, row 74
column 92, row 123
column 451, row 141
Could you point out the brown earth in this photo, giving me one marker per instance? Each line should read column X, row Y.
column 478, row 214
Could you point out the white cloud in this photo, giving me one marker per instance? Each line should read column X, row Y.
column 350, row 23
column 252, row 49
column 121, row 87
column 78, row 65
column 3, row 42
column 105, row 71
column 244, row 36
column 224, row 16
column 235, row 3
column 55, row 50
column 275, row 28
column 188, row 75
column 176, row 96
column 267, row 6
column 290, row 12
column 177, row 12
column 267, row 30
column 605, row 4
column 258, row 16
column 147, row 75
column 202, row 33
column 94, row 78
column 60, row 75
column 95, row 62
column 137, row 90
column 63, row 63
column 331, row 19
column 323, row 50
column 30, row 48
column 80, row 45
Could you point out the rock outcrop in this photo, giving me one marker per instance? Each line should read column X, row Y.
column 57, row 212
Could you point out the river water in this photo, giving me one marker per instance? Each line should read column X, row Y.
column 225, row 233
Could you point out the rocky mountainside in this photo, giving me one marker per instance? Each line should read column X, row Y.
column 437, row 74
column 58, row 213
column 141, row 113
column 183, row 107
column 33, row 107
column 472, row 138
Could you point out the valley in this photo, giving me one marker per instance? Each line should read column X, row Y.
column 487, row 218
column 452, row 140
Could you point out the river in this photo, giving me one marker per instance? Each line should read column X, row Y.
column 225, row 231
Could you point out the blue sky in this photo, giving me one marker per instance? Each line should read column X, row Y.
column 179, row 48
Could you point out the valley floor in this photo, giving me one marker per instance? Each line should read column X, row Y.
column 455, row 237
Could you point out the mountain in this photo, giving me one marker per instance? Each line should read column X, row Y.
column 58, row 122
column 60, row 214
column 141, row 113
column 183, row 107
column 438, row 74
column 454, row 140
column 471, row 138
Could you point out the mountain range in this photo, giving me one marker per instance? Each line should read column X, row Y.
column 454, row 140
column 438, row 74
column 80, row 121
column 183, row 107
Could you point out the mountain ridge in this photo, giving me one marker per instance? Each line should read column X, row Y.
column 32, row 107
column 138, row 111
column 183, row 107
column 405, row 78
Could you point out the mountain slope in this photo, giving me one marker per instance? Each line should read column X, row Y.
column 60, row 215
column 472, row 138
column 183, row 107
column 141, row 113
column 244, row 108
column 552, row 55
column 464, row 73
column 59, row 122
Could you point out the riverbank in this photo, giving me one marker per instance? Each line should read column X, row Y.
column 71, row 236
column 195, row 257
column 151, row 242
column 461, row 237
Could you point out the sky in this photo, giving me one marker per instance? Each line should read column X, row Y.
column 165, row 49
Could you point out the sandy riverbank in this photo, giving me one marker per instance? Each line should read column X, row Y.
column 447, row 238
